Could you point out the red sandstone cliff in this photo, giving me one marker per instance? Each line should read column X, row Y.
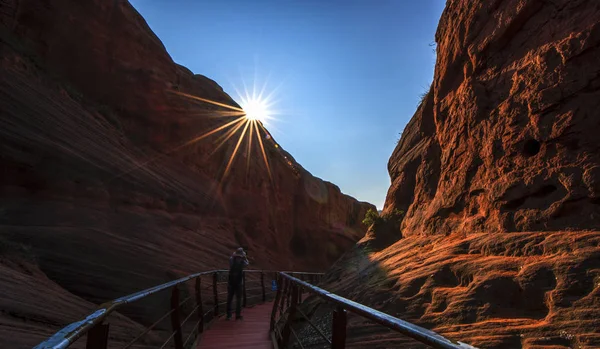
column 498, row 172
column 85, row 104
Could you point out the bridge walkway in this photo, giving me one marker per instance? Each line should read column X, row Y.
column 252, row 332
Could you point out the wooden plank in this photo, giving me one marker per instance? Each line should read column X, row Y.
column 251, row 332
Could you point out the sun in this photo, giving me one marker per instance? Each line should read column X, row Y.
column 248, row 119
column 255, row 109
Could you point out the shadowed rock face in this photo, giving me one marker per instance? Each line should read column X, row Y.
column 92, row 188
column 498, row 174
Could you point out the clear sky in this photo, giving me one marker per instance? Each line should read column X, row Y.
column 349, row 72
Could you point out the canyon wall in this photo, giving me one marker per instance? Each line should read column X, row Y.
column 103, row 194
column 498, row 174
column 506, row 139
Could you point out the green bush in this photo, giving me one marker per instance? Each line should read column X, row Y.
column 372, row 217
column 395, row 216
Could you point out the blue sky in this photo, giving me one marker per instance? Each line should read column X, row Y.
column 349, row 72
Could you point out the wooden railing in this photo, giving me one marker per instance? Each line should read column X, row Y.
column 185, row 326
column 287, row 311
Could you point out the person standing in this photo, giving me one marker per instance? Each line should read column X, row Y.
column 237, row 262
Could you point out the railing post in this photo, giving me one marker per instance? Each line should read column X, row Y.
column 285, row 336
column 290, row 294
column 338, row 327
column 216, row 294
column 199, row 304
column 275, row 305
column 262, row 284
column 97, row 337
column 244, row 294
column 284, row 293
column 175, row 319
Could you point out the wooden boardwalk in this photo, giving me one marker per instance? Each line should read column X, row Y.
column 252, row 332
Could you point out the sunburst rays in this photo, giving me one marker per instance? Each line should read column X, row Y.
column 255, row 112
column 246, row 123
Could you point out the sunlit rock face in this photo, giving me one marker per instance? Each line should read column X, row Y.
column 98, row 197
column 498, row 174
column 506, row 140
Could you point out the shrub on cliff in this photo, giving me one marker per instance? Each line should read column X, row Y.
column 383, row 230
column 372, row 217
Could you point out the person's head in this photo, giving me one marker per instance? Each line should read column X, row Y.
column 239, row 252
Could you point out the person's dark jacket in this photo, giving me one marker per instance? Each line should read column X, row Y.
column 237, row 263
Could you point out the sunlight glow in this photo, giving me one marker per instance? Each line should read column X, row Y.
column 246, row 123
column 256, row 112
column 255, row 109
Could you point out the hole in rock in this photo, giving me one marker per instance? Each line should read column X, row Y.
column 514, row 204
column 545, row 191
column 531, row 147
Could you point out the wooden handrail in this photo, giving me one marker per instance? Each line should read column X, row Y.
column 342, row 305
column 97, row 331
